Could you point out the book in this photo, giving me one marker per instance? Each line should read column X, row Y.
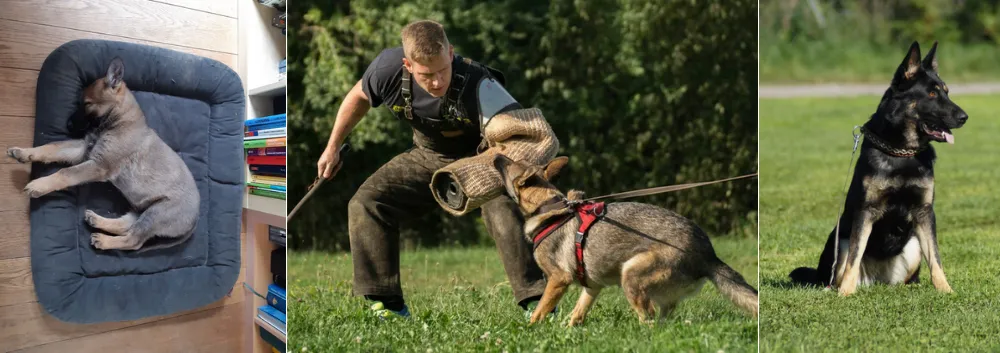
column 274, row 125
column 276, row 235
column 267, row 186
column 266, row 160
column 266, row 151
column 267, row 179
column 276, row 297
column 271, row 142
column 272, row 317
column 267, row 193
column 252, row 135
column 265, row 120
column 280, row 186
column 278, row 170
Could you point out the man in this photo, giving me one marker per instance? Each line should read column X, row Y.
column 443, row 110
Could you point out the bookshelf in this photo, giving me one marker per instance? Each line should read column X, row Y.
column 261, row 50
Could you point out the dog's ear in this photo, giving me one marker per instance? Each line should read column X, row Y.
column 909, row 67
column 930, row 62
column 116, row 71
column 554, row 166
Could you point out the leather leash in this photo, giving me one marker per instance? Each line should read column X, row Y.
column 316, row 184
column 661, row 189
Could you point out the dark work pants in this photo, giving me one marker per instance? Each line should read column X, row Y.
column 400, row 191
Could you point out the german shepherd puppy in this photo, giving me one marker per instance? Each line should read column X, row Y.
column 888, row 219
column 655, row 255
column 122, row 149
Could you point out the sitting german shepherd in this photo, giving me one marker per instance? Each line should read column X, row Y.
column 122, row 149
column 656, row 255
column 888, row 219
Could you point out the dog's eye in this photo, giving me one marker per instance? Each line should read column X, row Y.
column 932, row 94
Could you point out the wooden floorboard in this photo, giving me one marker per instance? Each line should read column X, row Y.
column 26, row 45
column 16, row 230
column 13, row 178
column 17, row 131
column 219, row 7
column 17, row 91
column 212, row 330
column 143, row 20
column 15, row 282
column 28, row 325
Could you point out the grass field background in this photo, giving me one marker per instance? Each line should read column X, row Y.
column 805, row 147
column 460, row 301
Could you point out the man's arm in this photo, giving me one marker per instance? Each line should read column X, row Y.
column 354, row 107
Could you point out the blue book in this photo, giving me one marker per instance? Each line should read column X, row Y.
column 265, row 120
column 276, row 297
column 277, row 170
column 276, row 125
column 272, row 316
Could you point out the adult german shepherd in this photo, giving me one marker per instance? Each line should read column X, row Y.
column 888, row 219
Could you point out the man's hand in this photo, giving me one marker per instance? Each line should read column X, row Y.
column 329, row 163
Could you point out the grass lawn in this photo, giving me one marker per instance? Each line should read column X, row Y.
column 805, row 146
column 460, row 301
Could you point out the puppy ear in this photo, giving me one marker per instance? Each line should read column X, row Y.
column 554, row 166
column 930, row 61
column 116, row 72
column 909, row 67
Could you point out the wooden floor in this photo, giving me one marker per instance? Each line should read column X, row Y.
column 29, row 31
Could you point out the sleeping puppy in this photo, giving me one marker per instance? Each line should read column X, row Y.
column 122, row 149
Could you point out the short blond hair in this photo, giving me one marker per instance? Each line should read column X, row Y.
column 424, row 40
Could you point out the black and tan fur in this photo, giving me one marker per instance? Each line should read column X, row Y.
column 122, row 149
column 888, row 219
column 655, row 255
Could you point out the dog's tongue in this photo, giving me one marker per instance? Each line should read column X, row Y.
column 949, row 137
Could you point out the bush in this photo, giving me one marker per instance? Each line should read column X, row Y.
column 640, row 94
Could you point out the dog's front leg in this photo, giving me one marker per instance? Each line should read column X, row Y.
column 68, row 151
column 583, row 305
column 847, row 281
column 81, row 173
column 554, row 290
column 927, row 236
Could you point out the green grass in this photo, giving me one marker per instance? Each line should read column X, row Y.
column 805, row 146
column 831, row 61
column 461, row 301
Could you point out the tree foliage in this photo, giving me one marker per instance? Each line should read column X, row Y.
column 641, row 93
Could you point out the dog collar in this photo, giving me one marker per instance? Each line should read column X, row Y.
column 884, row 146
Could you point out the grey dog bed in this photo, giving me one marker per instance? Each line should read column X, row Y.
column 196, row 106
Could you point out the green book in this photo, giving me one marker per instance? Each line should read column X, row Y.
column 267, row 193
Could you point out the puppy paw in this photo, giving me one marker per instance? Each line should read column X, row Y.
column 575, row 321
column 19, row 154
column 35, row 189
column 100, row 241
column 91, row 218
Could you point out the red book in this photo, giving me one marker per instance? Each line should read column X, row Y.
column 266, row 160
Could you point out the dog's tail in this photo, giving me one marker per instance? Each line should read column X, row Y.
column 171, row 242
column 805, row 276
column 732, row 285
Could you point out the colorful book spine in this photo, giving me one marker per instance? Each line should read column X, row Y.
column 265, row 120
column 267, row 179
column 271, row 142
column 266, row 160
column 251, row 135
column 276, row 170
column 268, row 186
column 265, row 126
column 266, row 151
column 267, row 193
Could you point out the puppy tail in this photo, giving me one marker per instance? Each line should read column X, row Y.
column 732, row 285
column 804, row 276
column 165, row 244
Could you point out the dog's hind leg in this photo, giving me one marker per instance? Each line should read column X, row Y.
column 583, row 305
column 637, row 274
column 115, row 226
column 69, row 151
column 861, row 230
column 146, row 226
column 927, row 235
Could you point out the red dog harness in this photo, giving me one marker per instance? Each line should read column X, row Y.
column 588, row 213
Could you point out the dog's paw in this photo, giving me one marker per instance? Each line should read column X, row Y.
column 19, row 154
column 575, row 321
column 35, row 189
column 91, row 218
column 99, row 240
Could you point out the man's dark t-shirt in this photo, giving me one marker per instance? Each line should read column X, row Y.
column 381, row 83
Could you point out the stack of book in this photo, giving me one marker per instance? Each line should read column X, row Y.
column 264, row 142
column 273, row 315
